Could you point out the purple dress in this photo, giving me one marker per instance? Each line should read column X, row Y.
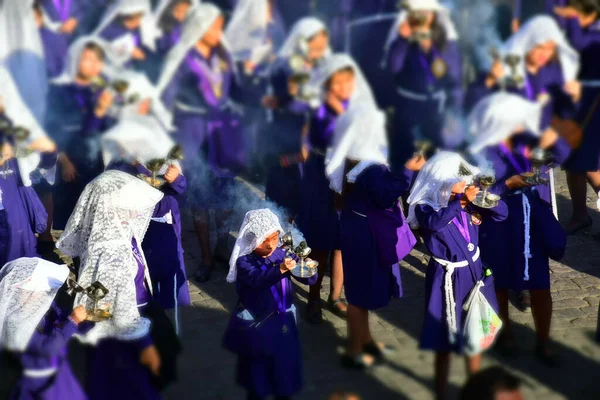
column 208, row 127
column 76, row 130
column 46, row 350
column 257, row 280
column 369, row 282
column 502, row 243
column 162, row 242
column 422, row 99
column 114, row 365
column 587, row 42
column 318, row 219
column 445, row 240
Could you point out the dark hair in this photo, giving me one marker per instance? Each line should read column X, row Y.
column 327, row 83
column 96, row 48
column 438, row 34
column 485, row 384
column 166, row 21
column 586, row 7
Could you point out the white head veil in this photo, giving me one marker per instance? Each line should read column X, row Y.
column 195, row 26
column 536, row 31
column 28, row 287
column 443, row 17
column 112, row 210
column 258, row 225
column 497, row 116
column 302, row 30
column 149, row 30
column 20, row 115
column 163, row 5
column 435, row 180
column 71, row 68
column 140, row 137
column 247, row 30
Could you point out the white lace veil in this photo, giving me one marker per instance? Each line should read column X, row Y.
column 22, row 53
column 28, row 287
column 538, row 30
column 302, row 30
column 148, row 29
column 71, row 68
column 139, row 137
column 258, row 225
column 435, row 180
column 497, row 116
column 247, row 30
column 16, row 109
column 114, row 208
column 196, row 24
column 443, row 17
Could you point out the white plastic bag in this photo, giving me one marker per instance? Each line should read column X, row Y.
column 482, row 323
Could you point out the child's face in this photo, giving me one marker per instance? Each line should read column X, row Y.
column 213, row 35
column 541, row 54
column 586, row 20
column 318, row 46
column 266, row 248
column 459, row 187
column 90, row 65
column 180, row 10
column 132, row 22
column 342, row 85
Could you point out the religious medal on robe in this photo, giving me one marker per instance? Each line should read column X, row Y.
column 476, row 218
column 439, row 68
column 217, row 89
column 543, row 98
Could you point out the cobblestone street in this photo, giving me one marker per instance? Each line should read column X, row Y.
column 208, row 371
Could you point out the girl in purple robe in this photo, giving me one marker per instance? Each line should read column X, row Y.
column 134, row 143
column 289, row 102
column 77, row 116
column 271, row 364
column 519, row 248
column 422, row 54
column 170, row 15
column 106, row 231
column 441, row 206
column 35, row 326
column 55, row 46
column 22, row 214
column 373, row 234
column 198, row 81
column 583, row 32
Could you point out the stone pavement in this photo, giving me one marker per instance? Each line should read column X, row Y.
column 208, row 371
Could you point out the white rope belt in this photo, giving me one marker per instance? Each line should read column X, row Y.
column 439, row 96
column 191, row 109
column 449, row 292
column 527, row 227
column 40, row 373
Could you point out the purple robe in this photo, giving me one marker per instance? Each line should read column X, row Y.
column 208, row 127
column 368, row 283
column 318, row 219
column 169, row 38
column 422, row 99
column 280, row 374
column 162, row 242
column 74, row 127
column 55, row 51
column 502, row 243
column 115, row 30
column 587, row 42
column 47, row 349
column 445, row 241
column 114, row 365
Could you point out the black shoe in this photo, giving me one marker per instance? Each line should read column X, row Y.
column 378, row 351
column 355, row 362
column 524, row 301
column 314, row 312
column 547, row 356
column 203, row 273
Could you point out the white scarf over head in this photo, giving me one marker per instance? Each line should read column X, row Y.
column 434, row 182
column 149, row 30
column 297, row 40
column 28, row 287
column 258, row 225
column 71, row 68
column 19, row 113
column 196, row 25
column 140, row 137
column 498, row 116
column 246, row 32
column 442, row 14
column 112, row 210
column 539, row 30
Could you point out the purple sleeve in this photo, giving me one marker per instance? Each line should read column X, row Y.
column 383, row 186
column 498, row 213
column 178, row 187
column 143, row 343
column 93, row 124
column 257, row 277
column 54, row 342
column 162, row 207
column 560, row 151
column 78, row 10
column 433, row 220
column 397, row 54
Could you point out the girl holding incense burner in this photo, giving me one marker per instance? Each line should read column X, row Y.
column 440, row 205
column 374, row 236
column 36, row 323
column 518, row 249
column 262, row 330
